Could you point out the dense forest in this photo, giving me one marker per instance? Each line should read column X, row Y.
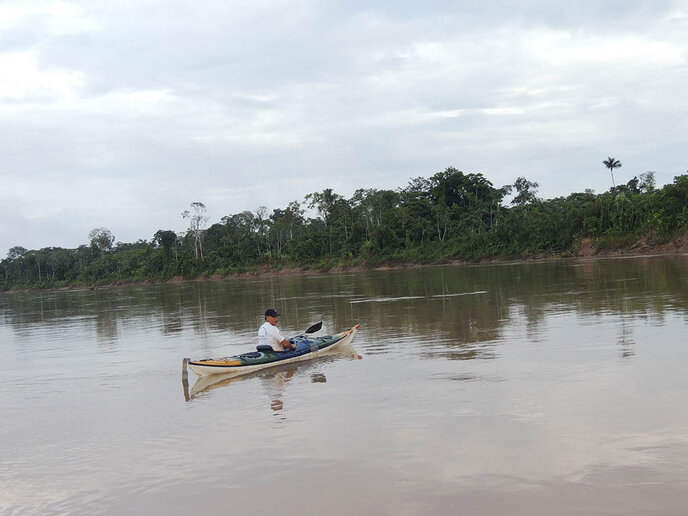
column 451, row 215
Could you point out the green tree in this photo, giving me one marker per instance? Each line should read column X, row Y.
column 101, row 239
column 525, row 191
column 167, row 240
column 647, row 181
column 284, row 224
column 611, row 164
column 16, row 252
column 324, row 202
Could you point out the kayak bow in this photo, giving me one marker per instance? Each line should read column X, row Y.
column 306, row 349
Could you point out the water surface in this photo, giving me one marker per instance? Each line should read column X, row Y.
column 525, row 388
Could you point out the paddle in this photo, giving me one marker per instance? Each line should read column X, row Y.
column 311, row 329
column 314, row 328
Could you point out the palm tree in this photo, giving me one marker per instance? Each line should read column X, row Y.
column 611, row 164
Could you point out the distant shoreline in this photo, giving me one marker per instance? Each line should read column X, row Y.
column 584, row 249
column 448, row 218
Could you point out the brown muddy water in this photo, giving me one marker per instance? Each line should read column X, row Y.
column 529, row 388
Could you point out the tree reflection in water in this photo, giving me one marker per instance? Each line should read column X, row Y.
column 465, row 307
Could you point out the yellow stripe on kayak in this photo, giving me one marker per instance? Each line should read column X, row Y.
column 219, row 362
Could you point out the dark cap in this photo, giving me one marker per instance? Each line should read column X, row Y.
column 271, row 312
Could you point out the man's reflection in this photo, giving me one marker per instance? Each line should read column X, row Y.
column 275, row 384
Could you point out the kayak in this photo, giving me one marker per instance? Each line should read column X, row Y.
column 306, row 349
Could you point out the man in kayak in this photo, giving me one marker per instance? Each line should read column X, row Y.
column 269, row 335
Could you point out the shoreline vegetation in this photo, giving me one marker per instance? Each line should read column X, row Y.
column 641, row 249
column 448, row 218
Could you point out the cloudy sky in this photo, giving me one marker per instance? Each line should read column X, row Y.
column 121, row 113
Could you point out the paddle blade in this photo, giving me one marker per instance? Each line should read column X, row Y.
column 314, row 328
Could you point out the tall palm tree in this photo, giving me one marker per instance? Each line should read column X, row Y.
column 611, row 164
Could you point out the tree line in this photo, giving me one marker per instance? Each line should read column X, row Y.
column 450, row 215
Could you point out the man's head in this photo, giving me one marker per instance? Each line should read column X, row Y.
column 271, row 316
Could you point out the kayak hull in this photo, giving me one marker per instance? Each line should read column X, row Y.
column 307, row 349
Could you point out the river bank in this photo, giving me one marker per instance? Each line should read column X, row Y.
column 585, row 248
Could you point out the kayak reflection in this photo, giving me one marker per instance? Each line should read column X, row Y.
column 273, row 379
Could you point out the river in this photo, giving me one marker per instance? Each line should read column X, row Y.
column 551, row 387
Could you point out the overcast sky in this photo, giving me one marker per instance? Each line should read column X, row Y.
column 121, row 113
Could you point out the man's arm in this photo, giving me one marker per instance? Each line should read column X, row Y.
column 287, row 345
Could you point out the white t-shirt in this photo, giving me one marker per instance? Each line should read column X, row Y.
column 269, row 335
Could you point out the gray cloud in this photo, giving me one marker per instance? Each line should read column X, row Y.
column 120, row 114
